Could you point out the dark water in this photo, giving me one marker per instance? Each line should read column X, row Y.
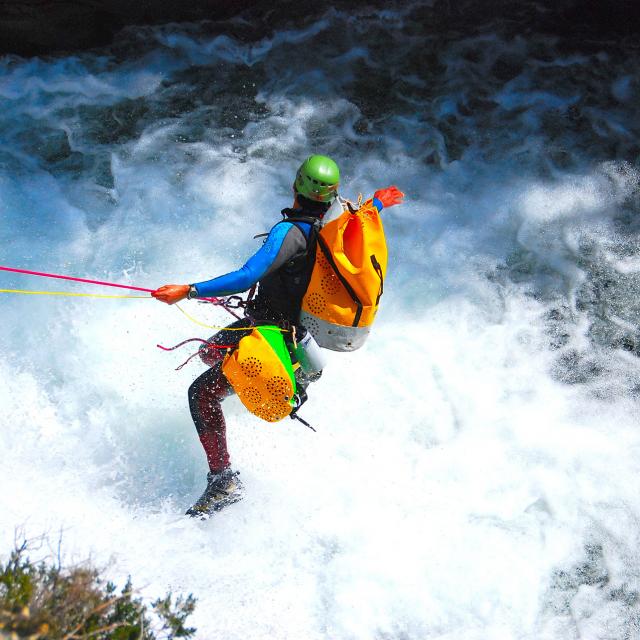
column 477, row 477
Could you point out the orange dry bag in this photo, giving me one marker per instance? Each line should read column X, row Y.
column 260, row 371
column 347, row 278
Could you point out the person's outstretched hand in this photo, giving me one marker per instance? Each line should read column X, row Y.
column 171, row 293
column 389, row 196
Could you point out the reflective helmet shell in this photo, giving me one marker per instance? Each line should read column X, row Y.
column 317, row 179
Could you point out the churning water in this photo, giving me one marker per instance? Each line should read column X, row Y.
column 475, row 470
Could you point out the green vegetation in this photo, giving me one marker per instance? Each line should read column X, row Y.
column 44, row 600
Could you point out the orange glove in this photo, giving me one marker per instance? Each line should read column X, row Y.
column 389, row 196
column 171, row 293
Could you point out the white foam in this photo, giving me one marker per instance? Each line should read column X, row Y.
column 453, row 482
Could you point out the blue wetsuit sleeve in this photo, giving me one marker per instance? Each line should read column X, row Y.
column 278, row 248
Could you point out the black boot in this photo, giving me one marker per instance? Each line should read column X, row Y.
column 223, row 489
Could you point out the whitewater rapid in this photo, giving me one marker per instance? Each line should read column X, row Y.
column 474, row 474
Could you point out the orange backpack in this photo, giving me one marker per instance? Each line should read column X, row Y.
column 261, row 372
column 347, row 280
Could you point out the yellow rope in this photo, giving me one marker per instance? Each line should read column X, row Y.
column 208, row 326
column 99, row 295
column 66, row 293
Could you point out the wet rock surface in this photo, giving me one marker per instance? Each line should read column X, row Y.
column 38, row 27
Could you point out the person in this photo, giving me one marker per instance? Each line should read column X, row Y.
column 281, row 268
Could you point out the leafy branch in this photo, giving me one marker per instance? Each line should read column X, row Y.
column 46, row 600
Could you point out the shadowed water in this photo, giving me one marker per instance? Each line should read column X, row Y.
column 474, row 471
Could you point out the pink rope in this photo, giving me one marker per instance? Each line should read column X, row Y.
column 53, row 275
column 191, row 357
column 215, row 301
column 211, row 344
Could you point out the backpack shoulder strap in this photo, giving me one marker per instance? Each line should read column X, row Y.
column 314, row 221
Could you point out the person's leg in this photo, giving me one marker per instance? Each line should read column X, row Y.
column 223, row 486
column 205, row 396
column 207, row 392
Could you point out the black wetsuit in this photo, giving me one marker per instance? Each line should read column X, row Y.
column 281, row 268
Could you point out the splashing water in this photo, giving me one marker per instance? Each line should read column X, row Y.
column 475, row 469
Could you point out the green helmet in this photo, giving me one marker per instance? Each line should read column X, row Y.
column 317, row 179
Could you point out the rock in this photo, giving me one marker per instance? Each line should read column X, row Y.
column 37, row 27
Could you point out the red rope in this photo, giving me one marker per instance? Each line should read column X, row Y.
column 215, row 301
column 54, row 275
column 191, row 357
column 211, row 344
